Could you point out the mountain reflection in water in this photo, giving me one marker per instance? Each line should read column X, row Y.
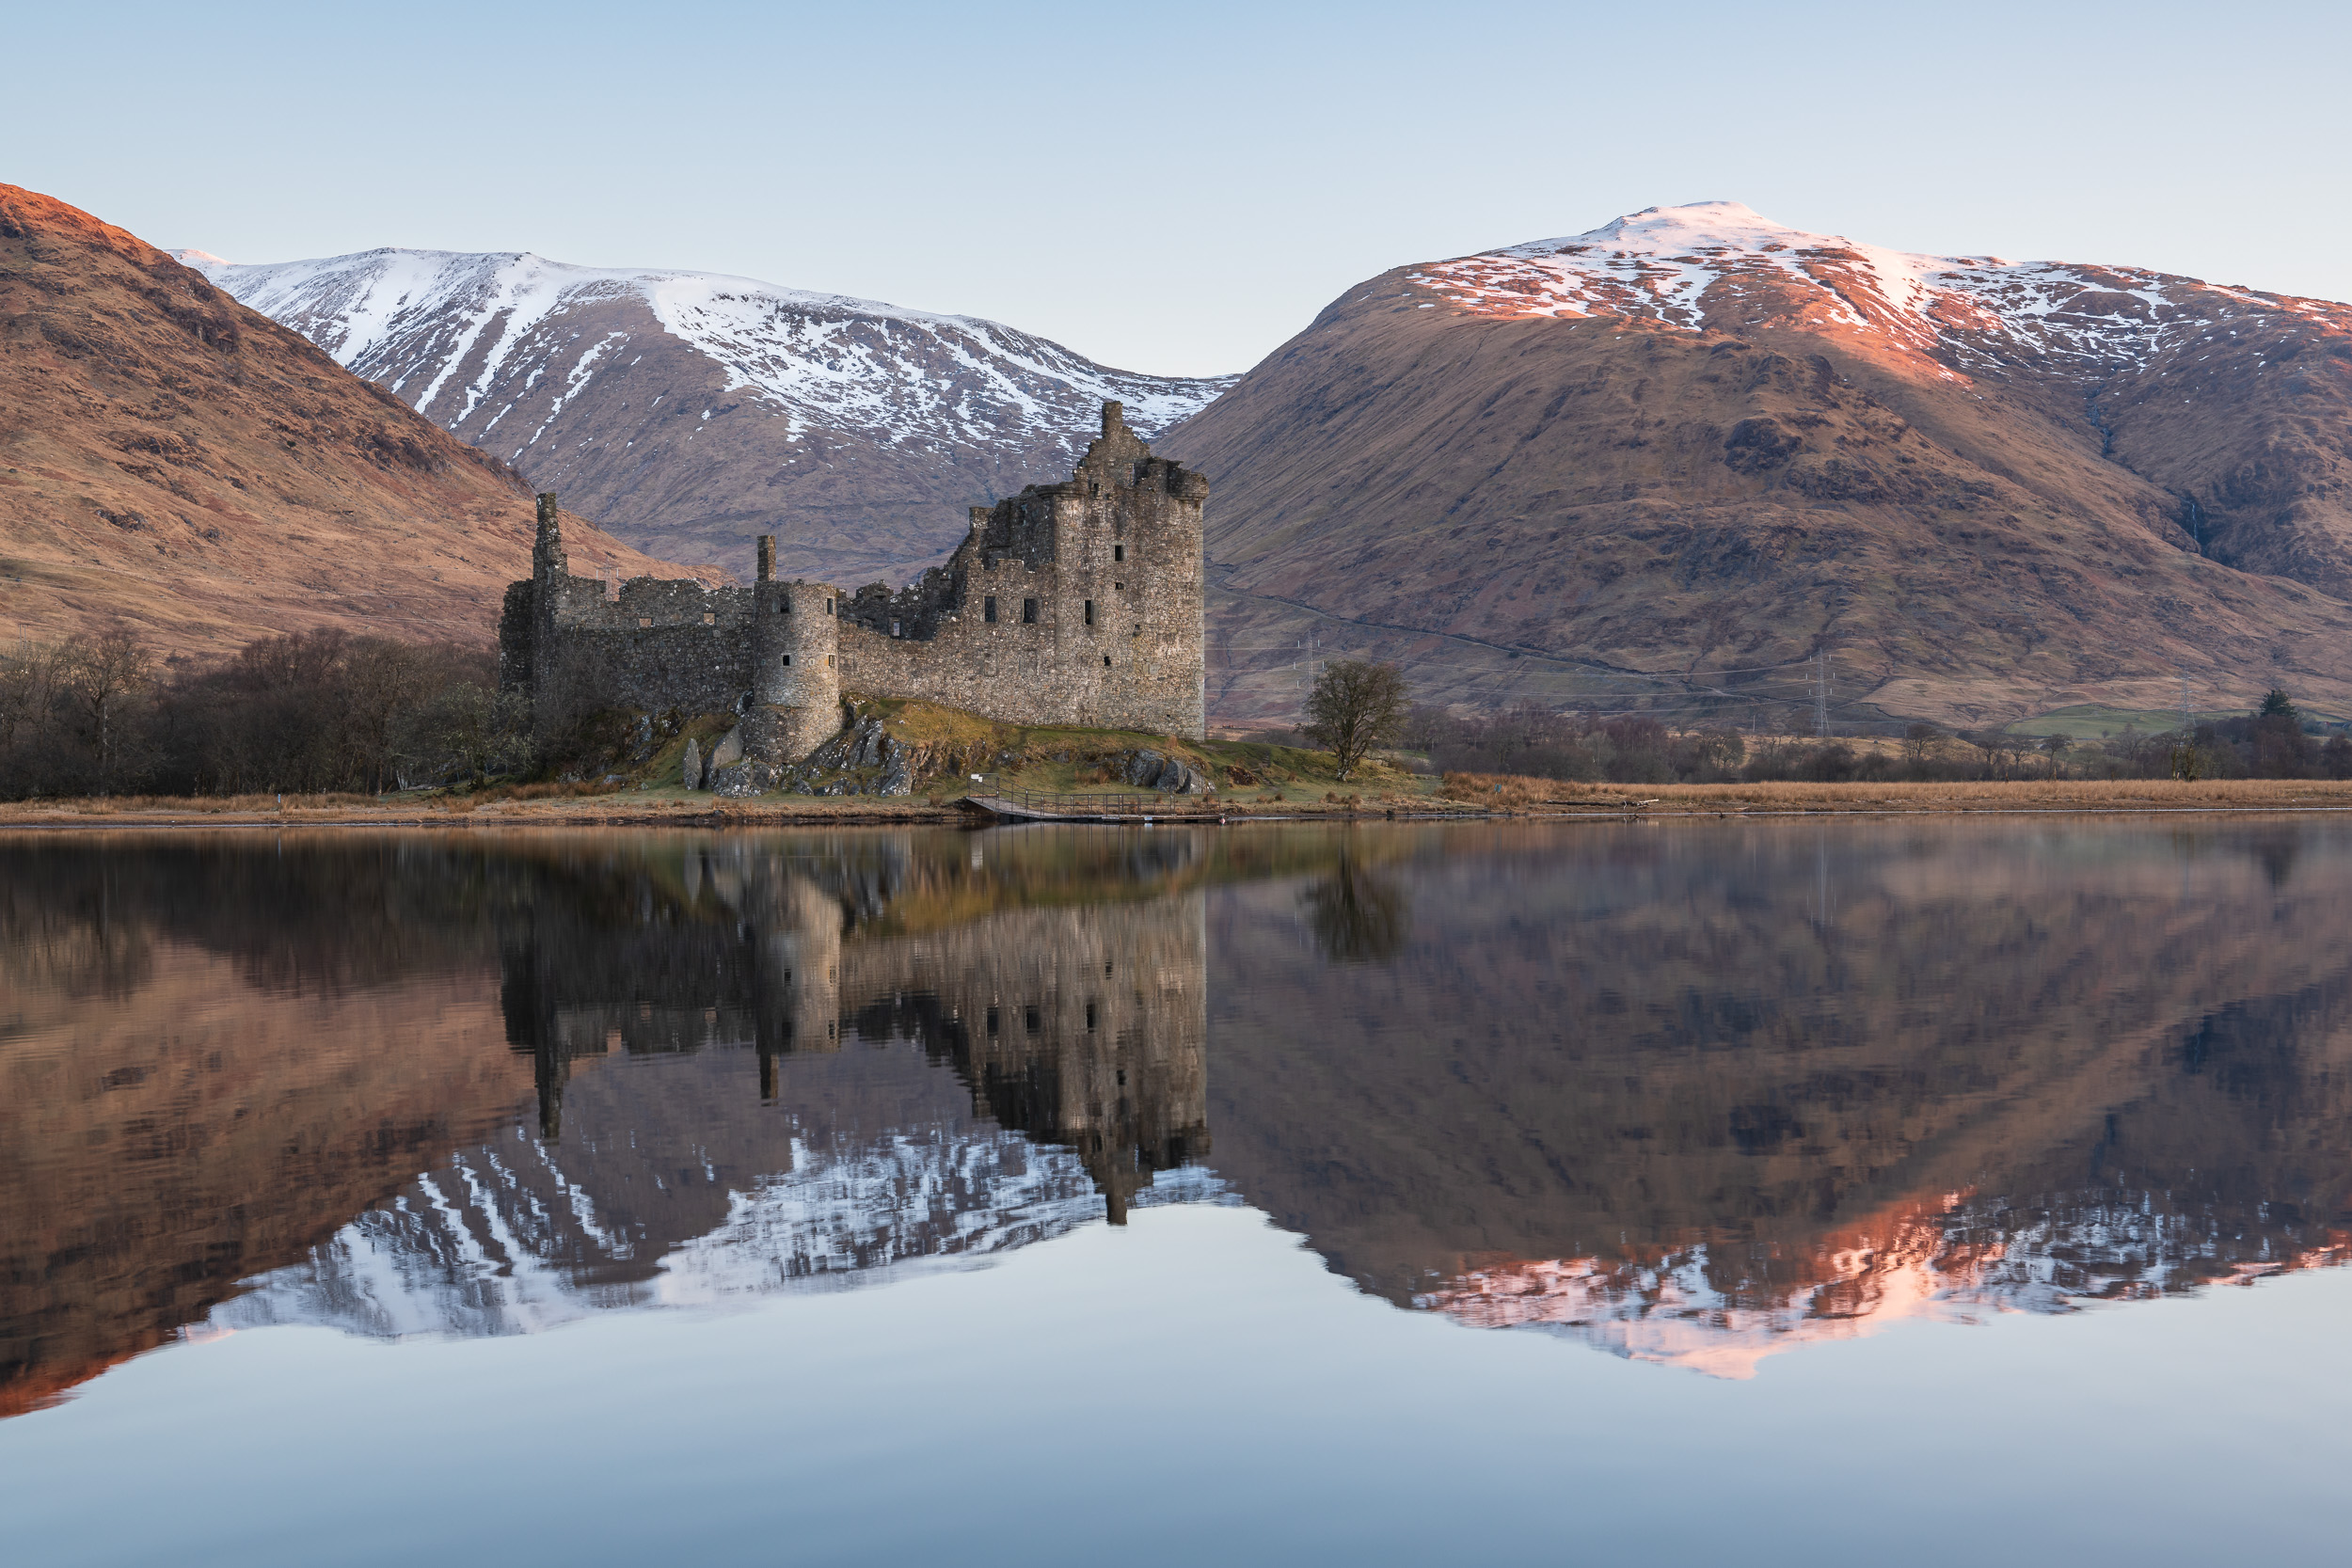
column 1689, row 1094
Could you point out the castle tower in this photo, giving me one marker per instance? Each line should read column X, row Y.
column 548, row 560
column 796, row 674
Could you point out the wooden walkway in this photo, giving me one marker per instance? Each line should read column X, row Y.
column 1027, row 807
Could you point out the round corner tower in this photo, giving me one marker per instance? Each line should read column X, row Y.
column 796, row 642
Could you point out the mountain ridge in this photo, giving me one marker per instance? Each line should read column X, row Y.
column 856, row 431
column 177, row 462
column 1663, row 464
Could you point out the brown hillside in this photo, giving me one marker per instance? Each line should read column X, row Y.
column 174, row 461
column 1617, row 502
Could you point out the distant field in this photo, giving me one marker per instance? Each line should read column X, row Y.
column 2090, row 720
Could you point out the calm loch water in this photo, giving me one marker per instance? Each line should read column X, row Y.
column 1811, row 1192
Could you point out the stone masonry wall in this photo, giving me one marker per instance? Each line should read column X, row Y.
column 1077, row 602
column 1096, row 586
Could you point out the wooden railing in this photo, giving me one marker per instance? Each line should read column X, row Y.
column 1048, row 799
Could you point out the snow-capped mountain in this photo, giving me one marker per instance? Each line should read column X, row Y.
column 1695, row 267
column 511, row 1237
column 1952, row 1262
column 689, row 412
column 1664, row 462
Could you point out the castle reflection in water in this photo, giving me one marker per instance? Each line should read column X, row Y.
column 1686, row 1098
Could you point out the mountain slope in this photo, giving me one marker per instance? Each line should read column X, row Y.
column 1667, row 463
column 689, row 412
column 174, row 460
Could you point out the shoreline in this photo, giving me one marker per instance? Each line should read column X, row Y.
column 1524, row 801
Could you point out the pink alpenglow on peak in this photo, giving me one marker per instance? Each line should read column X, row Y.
column 1719, row 264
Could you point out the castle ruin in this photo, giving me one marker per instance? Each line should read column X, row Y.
column 1077, row 602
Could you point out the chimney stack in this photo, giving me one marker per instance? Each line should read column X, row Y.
column 766, row 558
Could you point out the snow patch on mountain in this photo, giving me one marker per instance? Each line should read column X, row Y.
column 1932, row 1264
column 1685, row 266
column 429, row 323
column 501, row 1240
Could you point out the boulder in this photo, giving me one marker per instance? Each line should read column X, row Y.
column 1152, row 770
column 741, row 779
column 690, row 766
column 730, row 750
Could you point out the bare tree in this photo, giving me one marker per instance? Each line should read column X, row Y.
column 24, row 690
column 1920, row 742
column 1356, row 705
column 2054, row 747
column 100, row 679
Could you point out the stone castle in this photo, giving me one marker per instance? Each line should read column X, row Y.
column 1077, row 602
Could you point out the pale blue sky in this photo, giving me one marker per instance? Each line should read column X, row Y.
column 1178, row 189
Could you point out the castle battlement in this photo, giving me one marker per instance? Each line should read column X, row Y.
column 1074, row 603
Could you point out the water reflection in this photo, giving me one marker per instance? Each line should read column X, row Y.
column 1701, row 1096
column 1687, row 1094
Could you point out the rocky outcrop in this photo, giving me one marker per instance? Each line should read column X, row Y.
column 1148, row 769
column 863, row 759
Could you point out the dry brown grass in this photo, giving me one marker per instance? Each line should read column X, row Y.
column 2015, row 795
column 554, row 805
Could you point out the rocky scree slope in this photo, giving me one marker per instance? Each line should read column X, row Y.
column 178, row 463
column 691, row 412
column 1667, row 463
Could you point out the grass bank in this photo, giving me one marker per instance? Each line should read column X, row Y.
column 1398, row 794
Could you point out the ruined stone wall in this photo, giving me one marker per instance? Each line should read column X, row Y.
column 1085, row 1027
column 1077, row 602
column 1095, row 587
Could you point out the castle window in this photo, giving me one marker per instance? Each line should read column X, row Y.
column 788, row 659
column 828, row 606
column 1118, row 587
column 1107, row 661
column 829, row 661
column 1090, row 612
column 785, row 607
column 1118, row 552
column 987, row 610
column 894, row 628
column 1029, row 613
column 992, row 1020
column 1090, row 1017
column 1029, row 1020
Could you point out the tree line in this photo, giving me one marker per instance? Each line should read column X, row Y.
column 314, row 712
column 2275, row 742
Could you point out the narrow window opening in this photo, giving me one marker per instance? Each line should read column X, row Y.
column 1029, row 613
column 828, row 606
column 1119, row 588
column 1090, row 612
column 788, row 659
column 1118, row 552
column 1029, row 1020
column 1122, row 1078
column 987, row 610
column 1090, row 1017
column 829, row 661
column 894, row 628
column 992, row 1020
column 1107, row 661
column 784, row 606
